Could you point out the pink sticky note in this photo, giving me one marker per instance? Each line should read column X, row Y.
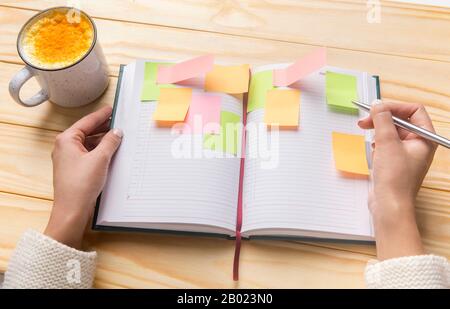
column 203, row 115
column 185, row 70
column 303, row 67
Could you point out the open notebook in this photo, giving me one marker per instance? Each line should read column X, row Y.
column 291, row 190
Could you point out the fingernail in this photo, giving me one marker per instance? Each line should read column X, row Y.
column 362, row 119
column 118, row 132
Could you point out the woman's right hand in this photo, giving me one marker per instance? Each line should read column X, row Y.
column 401, row 160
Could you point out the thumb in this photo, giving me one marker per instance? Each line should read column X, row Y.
column 385, row 130
column 109, row 143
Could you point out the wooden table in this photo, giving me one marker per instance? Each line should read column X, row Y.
column 409, row 49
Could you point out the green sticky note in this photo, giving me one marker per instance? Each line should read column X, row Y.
column 212, row 142
column 150, row 89
column 227, row 140
column 260, row 83
column 341, row 90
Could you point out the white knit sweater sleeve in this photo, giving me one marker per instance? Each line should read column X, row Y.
column 41, row 262
column 409, row 272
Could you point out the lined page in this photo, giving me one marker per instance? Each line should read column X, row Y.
column 191, row 190
column 152, row 183
column 304, row 191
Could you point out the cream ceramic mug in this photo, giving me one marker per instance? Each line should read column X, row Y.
column 60, row 49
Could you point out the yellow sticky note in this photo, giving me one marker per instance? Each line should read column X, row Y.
column 350, row 153
column 282, row 107
column 228, row 79
column 173, row 104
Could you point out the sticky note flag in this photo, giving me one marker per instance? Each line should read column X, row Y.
column 341, row 90
column 260, row 83
column 185, row 70
column 228, row 79
column 350, row 153
column 282, row 108
column 150, row 90
column 228, row 139
column 173, row 104
column 300, row 69
column 215, row 142
column 203, row 115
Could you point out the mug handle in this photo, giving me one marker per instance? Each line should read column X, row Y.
column 16, row 84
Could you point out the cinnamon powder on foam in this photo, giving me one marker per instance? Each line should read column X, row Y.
column 54, row 42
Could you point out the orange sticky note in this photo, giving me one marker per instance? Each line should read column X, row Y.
column 173, row 104
column 228, row 79
column 282, row 107
column 350, row 153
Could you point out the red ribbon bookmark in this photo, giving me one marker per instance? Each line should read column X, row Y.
column 237, row 249
column 237, row 253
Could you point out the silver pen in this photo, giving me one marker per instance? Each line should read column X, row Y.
column 411, row 128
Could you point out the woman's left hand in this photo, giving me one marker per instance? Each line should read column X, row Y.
column 81, row 160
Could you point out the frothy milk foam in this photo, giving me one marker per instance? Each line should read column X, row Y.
column 55, row 40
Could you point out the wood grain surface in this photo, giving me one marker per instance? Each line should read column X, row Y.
column 409, row 49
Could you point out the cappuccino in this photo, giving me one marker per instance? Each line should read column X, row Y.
column 56, row 40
